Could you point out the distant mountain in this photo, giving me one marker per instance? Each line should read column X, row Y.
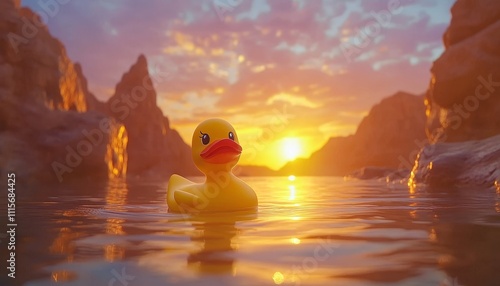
column 389, row 136
column 252, row 170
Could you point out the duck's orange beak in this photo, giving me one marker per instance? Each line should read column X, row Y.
column 221, row 151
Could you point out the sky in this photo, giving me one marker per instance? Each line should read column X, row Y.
column 288, row 74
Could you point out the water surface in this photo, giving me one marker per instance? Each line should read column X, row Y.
column 310, row 231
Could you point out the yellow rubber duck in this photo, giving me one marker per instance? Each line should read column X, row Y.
column 215, row 150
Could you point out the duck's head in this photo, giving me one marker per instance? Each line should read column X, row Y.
column 215, row 146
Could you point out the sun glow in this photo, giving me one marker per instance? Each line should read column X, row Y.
column 291, row 148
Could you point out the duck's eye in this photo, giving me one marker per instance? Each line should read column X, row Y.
column 231, row 135
column 205, row 139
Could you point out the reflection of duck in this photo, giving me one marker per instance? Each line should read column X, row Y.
column 217, row 254
column 215, row 151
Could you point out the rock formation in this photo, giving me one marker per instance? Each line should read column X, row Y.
column 35, row 66
column 44, row 146
column 463, row 101
column 53, row 129
column 153, row 147
column 389, row 136
column 459, row 163
column 46, row 135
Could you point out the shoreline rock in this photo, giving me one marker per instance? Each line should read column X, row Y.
column 460, row 163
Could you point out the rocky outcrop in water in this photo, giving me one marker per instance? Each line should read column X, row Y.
column 463, row 101
column 46, row 133
column 474, row 162
column 389, row 136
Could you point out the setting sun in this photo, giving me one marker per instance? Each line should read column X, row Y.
column 291, row 148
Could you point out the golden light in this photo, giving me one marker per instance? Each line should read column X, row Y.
column 291, row 148
column 295, row 240
column 278, row 278
column 291, row 178
column 292, row 192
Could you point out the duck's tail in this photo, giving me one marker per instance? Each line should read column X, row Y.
column 175, row 185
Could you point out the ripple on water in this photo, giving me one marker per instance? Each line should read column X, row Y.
column 313, row 231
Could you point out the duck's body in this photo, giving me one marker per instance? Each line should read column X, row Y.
column 185, row 195
column 215, row 153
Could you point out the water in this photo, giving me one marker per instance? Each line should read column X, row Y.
column 311, row 231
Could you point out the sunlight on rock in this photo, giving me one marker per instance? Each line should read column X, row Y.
column 116, row 155
column 73, row 95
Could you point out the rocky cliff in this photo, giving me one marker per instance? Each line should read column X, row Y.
column 463, row 101
column 53, row 129
column 35, row 67
column 389, row 136
column 46, row 133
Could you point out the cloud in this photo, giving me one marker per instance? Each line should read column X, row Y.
column 294, row 100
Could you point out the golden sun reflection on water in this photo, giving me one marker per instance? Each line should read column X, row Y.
column 62, row 276
column 308, row 230
column 292, row 192
column 116, row 199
